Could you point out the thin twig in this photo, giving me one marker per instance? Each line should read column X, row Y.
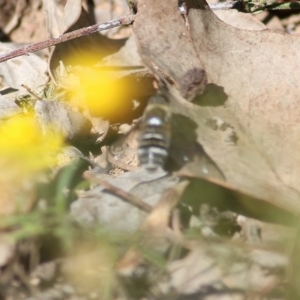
column 125, row 20
column 137, row 202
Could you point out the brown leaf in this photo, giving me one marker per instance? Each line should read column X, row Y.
column 53, row 11
column 247, row 115
column 239, row 19
column 161, row 47
column 159, row 218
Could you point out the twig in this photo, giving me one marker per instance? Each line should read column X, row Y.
column 125, row 20
column 137, row 202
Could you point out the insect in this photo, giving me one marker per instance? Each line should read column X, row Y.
column 155, row 136
column 165, row 139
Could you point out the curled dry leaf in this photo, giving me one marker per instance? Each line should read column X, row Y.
column 159, row 218
column 84, row 51
column 248, row 114
column 28, row 70
column 53, row 13
column 169, row 50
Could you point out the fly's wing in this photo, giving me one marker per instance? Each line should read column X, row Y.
column 152, row 138
column 186, row 152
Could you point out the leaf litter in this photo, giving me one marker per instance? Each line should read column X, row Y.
column 225, row 61
column 243, row 115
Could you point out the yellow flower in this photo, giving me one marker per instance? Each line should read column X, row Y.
column 24, row 149
column 100, row 90
column 24, row 152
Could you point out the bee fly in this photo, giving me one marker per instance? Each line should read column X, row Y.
column 155, row 137
column 160, row 136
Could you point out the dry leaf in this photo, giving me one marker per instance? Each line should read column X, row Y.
column 84, row 51
column 162, row 49
column 240, row 20
column 53, row 14
column 247, row 117
column 159, row 218
column 60, row 117
column 28, row 70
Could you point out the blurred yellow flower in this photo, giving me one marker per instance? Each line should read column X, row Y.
column 99, row 90
column 24, row 152
column 24, row 149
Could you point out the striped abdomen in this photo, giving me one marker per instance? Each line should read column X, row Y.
column 155, row 136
